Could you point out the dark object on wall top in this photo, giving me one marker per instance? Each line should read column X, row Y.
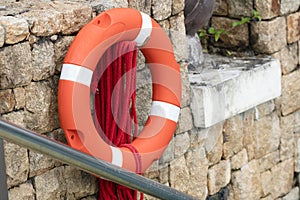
column 197, row 13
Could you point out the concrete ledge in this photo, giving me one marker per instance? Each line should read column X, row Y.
column 226, row 87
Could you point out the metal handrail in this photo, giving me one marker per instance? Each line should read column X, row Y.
column 85, row 162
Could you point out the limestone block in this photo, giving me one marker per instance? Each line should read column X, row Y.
column 233, row 136
column 178, row 37
column 246, row 183
column 268, row 161
column 221, row 8
column 185, row 86
column 15, row 66
column 16, row 118
column 282, row 178
column 288, row 57
column 267, row 135
column 89, row 198
column 218, row 176
column 16, row 29
column 197, row 164
column 179, row 174
column 266, row 183
column 41, row 107
column 39, row 163
column 141, row 5
column 240, row 8
column 181, row 144
column 249, row 136
column 17, row 164
column 79, row 184
column 267, row 9
column 177, row 6
column 297, row 152
column 75, row 16
column 143, row 100
column 269, row 36
column 290, row 93
column 61, row 47
column 22, row 192
column 43, row 62
column 161, row 10
column 289, row 6
column 7, row 100
column 214, row 143
column 218, row 94
column 185, row 122
column 168, row 154
column 51, row 185
column 2, row 36
column 43, row 23
column 19, row 97
column 293, row 29
column 287, row 148
column 264, row 109
column 239, row 160
column 292, row 195
column 164, row 174
column 238, row 37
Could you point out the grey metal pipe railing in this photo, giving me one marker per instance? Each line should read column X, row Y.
column 65, row 154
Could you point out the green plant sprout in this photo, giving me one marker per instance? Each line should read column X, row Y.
column 216, row 33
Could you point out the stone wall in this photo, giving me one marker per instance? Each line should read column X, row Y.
column 253, row 155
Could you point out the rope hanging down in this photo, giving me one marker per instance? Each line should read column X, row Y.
column 115, row 108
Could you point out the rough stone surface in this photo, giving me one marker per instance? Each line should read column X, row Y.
column 292, row 195
column 7, row 101
column 142, row 5
column 197, row 164
column 181, row 144
column 269, row 161
column 16, row 118
column 239, row 160
column 214, row 143
column 264, row 109
column 168, row 154
column 289, row 6
column 290, row 93
column 218, row 176
column 293, row 28
column 17, row 164
column 41, row 106
column 267, row 8
column 290, row 124
column 233, row 136
column 288, row 58
column 161, row 10
column 238, row 37
column 178, row 38
column 39, row 163
column 249, row 134
column 240, row 8
column 19, row 97
column 22, row 192
column 221, row 8
column 247, row 182
column 185, row 122
column 269, row 36
column 177, row 6
column 55, row 182
column 2, row 36
column 43, row 62
column 60, row 49
column 43, row 23
column 15, row 60
column 179, row 174
column 16, row 29
column 79, row 184
column 186, row 90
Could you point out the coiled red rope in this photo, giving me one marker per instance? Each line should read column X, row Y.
column 115, row 108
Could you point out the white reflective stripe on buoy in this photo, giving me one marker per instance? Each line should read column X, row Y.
column 117, row 156
column 76, row 74
column 145, row 31
column 165, row 110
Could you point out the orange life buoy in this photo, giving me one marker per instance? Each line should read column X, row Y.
column 110, row 27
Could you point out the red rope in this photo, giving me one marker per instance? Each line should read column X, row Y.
column 115, row 109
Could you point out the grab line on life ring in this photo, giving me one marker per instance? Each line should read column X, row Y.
column 80, row 62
